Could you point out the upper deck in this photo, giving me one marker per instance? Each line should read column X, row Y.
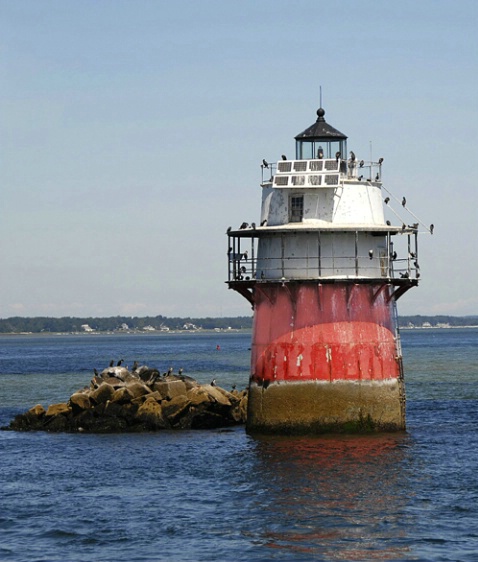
column 320, row 173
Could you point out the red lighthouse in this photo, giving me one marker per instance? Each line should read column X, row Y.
column 323, row 270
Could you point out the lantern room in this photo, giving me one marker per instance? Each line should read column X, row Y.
column 320, row 140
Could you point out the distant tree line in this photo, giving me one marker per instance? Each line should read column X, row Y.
column 40, row 324
column 68, row 324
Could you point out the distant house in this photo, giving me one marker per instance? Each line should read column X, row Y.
column 189, row 326
column 87, row 328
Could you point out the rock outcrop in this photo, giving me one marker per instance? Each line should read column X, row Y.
column 118, row 400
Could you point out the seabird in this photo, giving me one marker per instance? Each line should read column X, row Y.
column 388, row 223
column 394, row 256
column 386, row 200
column 96, row 372
column 337, row 155
column 404, row 201
column 405, row 275
column 377, row 177
column 264, row 222
column 265, row 164
column 284, row 157
column 253, row 225
column 229, row 228
column 180, row 371
column 380, row 160
column 112, row 362
column 360, row 178
column 361, row 163
column 135, row 366
column 213, row 382
column 352, row 156
column 370, row 254
column 432, row 226
column 120, row 362
column 243, row 226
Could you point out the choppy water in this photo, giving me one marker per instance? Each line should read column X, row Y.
column 223, row 495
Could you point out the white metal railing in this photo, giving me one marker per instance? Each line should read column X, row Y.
column 315, row 173
column 243, row 268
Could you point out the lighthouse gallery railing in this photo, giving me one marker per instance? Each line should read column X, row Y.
column 244, row 265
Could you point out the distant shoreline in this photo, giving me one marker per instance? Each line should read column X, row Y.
column 131, row 333
column 149, row 333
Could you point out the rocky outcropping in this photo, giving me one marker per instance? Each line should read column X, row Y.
column 118, row 400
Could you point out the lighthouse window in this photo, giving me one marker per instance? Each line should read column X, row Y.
column 284, row 167
column 296, row 208
column 300, row 166
column 332, row 179
column 316, row 165
column 298, row 180
column 315, row 180
column 331, row 165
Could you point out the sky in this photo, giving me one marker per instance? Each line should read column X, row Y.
column 132, row 133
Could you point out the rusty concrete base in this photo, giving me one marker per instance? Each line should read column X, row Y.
column 316, row 407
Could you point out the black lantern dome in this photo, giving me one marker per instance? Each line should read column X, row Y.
column 320, row 140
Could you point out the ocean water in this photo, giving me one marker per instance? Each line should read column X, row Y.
column 222, row 494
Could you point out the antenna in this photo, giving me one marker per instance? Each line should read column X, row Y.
column 320, row 90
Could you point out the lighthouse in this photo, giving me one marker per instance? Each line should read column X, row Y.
column 323, row 270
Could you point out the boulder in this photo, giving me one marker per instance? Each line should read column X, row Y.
column 170, row 387
column 103, row 393
column 113, row 381
column 176, row 407
column 121, row 373
column 57, row 410
column 216, row 394
column 78, row 402
column 137, row 389
column 198, row 396
column 150, row 413
column 37, row 410
column 122, row 395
